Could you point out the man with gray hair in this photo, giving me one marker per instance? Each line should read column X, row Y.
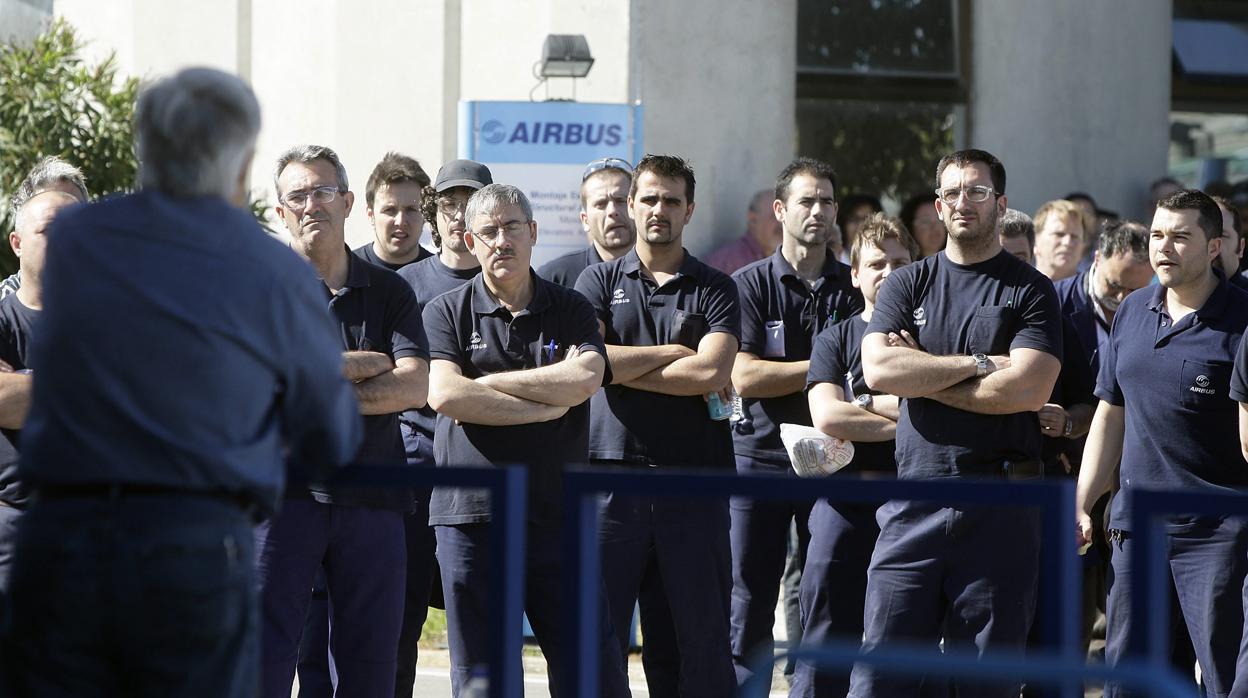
column 151, row 449
column 1018, row 234
column 515, row 359
column 355, row 536
column 49, row 174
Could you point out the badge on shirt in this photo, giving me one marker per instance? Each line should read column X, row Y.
column 773, row 344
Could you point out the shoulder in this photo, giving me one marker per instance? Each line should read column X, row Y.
column 706, row 274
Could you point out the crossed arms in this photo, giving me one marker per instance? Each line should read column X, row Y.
column 382, row 386
column 674, row 369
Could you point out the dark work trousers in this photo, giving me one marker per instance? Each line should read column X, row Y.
column 1208, row 563
column 688, row 540
column 660, row 655
column 314, row 671
column 760, row 544
column 834, row 587
column 139, row 595
column 361, row 551
column 9, row 516
column 967, row 574
column 1239, row 689
column 790, row 590
column 464, row 561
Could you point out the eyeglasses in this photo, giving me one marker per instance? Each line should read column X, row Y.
column 296, row 200
column 449, row 207
column 977, row 194
column 488, row 234
column 606, row 164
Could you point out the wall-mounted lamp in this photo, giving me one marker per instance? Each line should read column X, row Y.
column 565, row 56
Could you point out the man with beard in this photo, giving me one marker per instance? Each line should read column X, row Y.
column 604, row 214
column 1060, row 230
column 671, row 326
column 1167, row 418
column 786, row 300
column 393, row 198
column 970, row 338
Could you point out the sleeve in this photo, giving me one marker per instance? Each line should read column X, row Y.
column 592, row 285
column 1076, row 380
column 893, row 305
column 722, row 306
column 439, row 322
column 749, row 295
column 1107, row 387
column 583, row 330
column 1239, row 378
column 407, row 329
column 1040, row 320
column 826, row 363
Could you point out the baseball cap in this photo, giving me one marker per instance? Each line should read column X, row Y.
column 462, row 173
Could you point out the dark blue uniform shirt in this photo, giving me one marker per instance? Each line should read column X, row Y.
column 566, row 269
column 952, row 309
column 638, row 425
column 16, row 321
column 1174, row 381
column 837, row 358
column 430, row 278
column 780, row 316
column 468, row 327
column 368, row 254
column 1092, row 333
column 376, row 311
column 180, row 346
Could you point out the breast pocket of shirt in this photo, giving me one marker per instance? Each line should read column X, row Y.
column 991, row 330
column 687, row 328
column 1204, row 386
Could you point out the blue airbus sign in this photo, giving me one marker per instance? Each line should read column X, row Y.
column 548, row 132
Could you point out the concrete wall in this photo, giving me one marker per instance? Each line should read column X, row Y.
column 1073, row 97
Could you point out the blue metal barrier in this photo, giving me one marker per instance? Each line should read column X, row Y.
column 1059, row 565
column 508, row 489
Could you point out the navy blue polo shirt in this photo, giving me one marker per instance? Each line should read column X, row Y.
column 837, row 358
column 780, row 317
column 1174, row 381
column 179, row 346
column 430, row 278
column 640, row 426
column 467, row 326
column 992, row 307
column 565, row 269
column 368, row 254
column 16, row 321
column 376, row 311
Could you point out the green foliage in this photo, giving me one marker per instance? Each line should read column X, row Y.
column 52, row 102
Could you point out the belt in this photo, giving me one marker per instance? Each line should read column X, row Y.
column 1030, row 469
column 113, row 492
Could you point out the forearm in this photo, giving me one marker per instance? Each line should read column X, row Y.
column 1001, row 392
column 907, row 372
column 1101, row 454
column 887, row 406
column 693, row 375
column 851, row 423
column 565, row 384
column 14, row 399
column 361, row 365
column 406, row 387
column 1080, row 419
column 475, row 403
column 758, row 378
column 629, row 363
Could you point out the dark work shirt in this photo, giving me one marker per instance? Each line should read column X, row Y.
column 376, row 311
column 1078, row 306
column 565, row 269
column 837, row 358
column 16, row 321
column 1074, row 386
column 180, row 346
column 469, row 328
column 780, row 316
column 430, row 278
column 1173, row 379
column 951, row 309
column 368, row 254
column 640, row 426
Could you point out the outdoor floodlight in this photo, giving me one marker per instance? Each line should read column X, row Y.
column 565, row 56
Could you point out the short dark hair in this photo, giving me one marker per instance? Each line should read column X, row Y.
column 970, row 156
column 394, row 168
column 911, row 207
column 878, row 228
column 1016, row 224
column 1123, row 237
column 664, row 166
column 807, row 166
column 1208, row 217
column 1236, row 220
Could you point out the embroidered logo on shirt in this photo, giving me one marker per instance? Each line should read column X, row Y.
column 474, row 341
column 618, row 297
column 1202, row 386
column 920, row 317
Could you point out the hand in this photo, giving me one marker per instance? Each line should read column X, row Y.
column 573, row 352
column 1053, row 419
column 904, row 339
column 1061, row 457
column 998, row 363
column 5, row 367
column 1083, row 531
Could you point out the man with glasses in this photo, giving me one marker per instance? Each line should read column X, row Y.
column 429, row 278
column 515, row 361
column 970, row 338
column 604, row 215
column 355, row 535
column 762, row 236
column 394, row 195
column 786, row 300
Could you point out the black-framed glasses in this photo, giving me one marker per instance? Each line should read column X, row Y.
column 977, row 194
column 297, row 200
column 606, row 164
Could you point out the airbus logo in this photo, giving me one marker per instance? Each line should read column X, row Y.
column 618, row 297
column 920, row 317
column 493, row 132
column 475, row 342
column 1202, row 386
column 1202, row 381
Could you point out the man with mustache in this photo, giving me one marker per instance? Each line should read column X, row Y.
column 1060, row 227
column 393, row 197
column 786, row 300
column 970, row 338
column 604, row 214
column 671, row 324
column 515, row 361
column 355, row 535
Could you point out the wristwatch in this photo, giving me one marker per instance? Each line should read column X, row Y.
column 864, row 401
column 1070, row 427
column 981, row 364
